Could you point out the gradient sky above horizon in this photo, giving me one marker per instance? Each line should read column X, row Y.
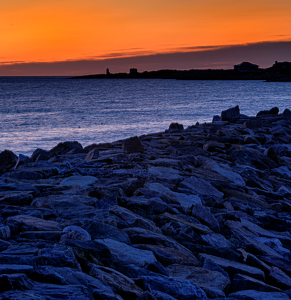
column 35, row 31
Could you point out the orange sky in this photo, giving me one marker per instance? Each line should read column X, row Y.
column 61, row 30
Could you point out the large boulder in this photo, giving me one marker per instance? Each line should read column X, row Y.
column 271, row 153
column 287, row 114
column 272, row 111
column 65, row 147
column 231, row 114
column 132, row 145
column 74, row 232
column 40, row 154
column 7, row 160
column 174, row 126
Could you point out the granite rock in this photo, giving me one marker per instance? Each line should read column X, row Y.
column 195, row 213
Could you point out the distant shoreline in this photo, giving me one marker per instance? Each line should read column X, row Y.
column 272, row 74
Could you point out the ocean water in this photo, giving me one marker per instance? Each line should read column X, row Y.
column 39, row 112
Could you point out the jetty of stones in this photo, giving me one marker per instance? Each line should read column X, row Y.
column 190, row 213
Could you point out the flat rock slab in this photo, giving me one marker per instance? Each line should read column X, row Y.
column 166, row 162
column 217, row 241
column 30, row 223
column 119, row 282
column 200, row 186
column 162, row 296
column 279, row 278
column 169, row 255
column 17, row 187
column 143, row 205
column 203, row 215
column 255, row 295
column 68, row 206
column 199, row 276
column 225, row 171
column 24, row 174
column 21, row 250
column 198, row 228
column 143, row 236
column 179, row 289
column 57, row 257
column 243, row 282
column 132, row 219
column 14, row 282
column 17, row 259
column 232, row 267
column 99, row 230
column 165, row 174
column 79, row 180
column 43, row 235
column 92, row 251
column 74, row 202
column 20, row 199
column 11, row 269
column 125, row 255
column 185, row 200
column 259, row 230
column 54, row 291
column 283, row 264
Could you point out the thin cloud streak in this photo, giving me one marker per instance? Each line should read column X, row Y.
column 11, row 62
column 216, row 57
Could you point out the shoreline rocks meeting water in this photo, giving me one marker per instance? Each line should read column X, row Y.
column 190, row 213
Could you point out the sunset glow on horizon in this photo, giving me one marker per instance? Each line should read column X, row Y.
column 56, row 31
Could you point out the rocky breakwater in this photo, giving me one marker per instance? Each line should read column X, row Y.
column 196, row 213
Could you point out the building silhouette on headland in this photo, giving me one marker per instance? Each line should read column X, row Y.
column 282, row 66
column 133, row 71
column 246, row 67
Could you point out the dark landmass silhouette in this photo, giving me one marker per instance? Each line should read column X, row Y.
column 280, row 72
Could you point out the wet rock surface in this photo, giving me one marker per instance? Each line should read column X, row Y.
column 202, row 212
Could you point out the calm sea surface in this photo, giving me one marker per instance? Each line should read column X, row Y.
column 39, row 112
